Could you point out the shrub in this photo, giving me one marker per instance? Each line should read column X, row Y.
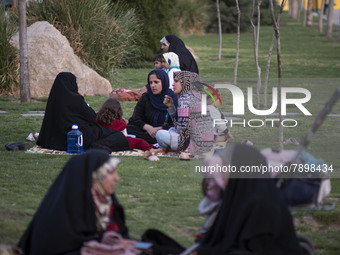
column 104, row 35
column 158, row 21
column 191, row 16
column 9, row 62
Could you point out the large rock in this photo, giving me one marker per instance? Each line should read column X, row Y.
column 50, row 53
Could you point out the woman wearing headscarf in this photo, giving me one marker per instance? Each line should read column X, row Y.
column 150, row 114
column 192, row 132
column 171, row 43
column 65, row 107
column 252, row 218
column 80, row 213
column 171, row 66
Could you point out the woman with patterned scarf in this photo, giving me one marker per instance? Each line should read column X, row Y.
column 193, row 132
column 80, row 213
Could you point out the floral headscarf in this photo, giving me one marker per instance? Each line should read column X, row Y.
column 172, row 59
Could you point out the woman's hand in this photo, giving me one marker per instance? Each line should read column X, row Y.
column 151, row 130
column 127, row 245
column 168, row 101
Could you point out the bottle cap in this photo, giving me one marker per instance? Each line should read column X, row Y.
column 74, row 126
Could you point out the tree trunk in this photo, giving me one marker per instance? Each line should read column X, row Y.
column 278, row 50
column 256, row 36
column 219, row 29
column 322, row 8
column 25, row 95
column 294, row 11
column 238, row 40
column 304, row 13
column 300, row 6
column 265, row 87
column 309, row 13
column 329, row 27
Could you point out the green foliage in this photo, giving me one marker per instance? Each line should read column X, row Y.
column 191, row 16
column 229, row 16
column 158, row 21
column 8, row 58
column 103, row 34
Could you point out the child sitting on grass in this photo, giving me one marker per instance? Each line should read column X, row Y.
column 110, row 115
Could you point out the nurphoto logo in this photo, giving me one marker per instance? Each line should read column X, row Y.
column 238, row 99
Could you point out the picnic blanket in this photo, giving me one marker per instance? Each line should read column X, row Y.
column 134, row 152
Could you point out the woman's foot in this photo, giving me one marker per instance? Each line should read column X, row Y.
column 184, row 156
column 148, row 156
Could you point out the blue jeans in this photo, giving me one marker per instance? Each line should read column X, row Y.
column 164, row 140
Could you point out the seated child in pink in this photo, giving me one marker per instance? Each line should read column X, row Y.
column 110, row 115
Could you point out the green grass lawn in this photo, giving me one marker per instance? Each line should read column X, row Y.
column 164, row 194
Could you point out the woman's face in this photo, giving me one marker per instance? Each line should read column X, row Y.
column 110, row 181
column 177, row 86
column 165, row 47
column 155, row 84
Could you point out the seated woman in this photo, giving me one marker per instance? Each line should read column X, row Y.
column 150, row 114
column 192, row 132
column 80, row 212
column 252, row 218
column 245, row 213
column 65, row 106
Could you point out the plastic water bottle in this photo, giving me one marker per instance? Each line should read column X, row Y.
column 75, row 140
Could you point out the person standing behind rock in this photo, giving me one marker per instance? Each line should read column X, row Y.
column 171, row 43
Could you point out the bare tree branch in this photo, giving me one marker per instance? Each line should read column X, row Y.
column 265, row 88
column 256, row 35
column 278, row 50
column 219, row 29
column 238, row 40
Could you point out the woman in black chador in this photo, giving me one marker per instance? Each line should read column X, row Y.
column 65, row 107
column 80, row 213
column 252, row 217
column 172, row 43
column 245, row 212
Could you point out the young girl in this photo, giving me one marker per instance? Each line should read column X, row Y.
column 110, row 116
column 171, row 65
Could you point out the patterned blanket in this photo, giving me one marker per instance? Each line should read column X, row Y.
column 134, row 152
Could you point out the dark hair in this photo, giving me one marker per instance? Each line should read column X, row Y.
column 110, row 110
column 156, row 73
column 159, row 58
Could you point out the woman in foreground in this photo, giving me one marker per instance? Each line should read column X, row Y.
column 80, row 213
